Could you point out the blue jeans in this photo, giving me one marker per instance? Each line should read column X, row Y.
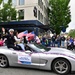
column 62, row 44
column 58, row 43
column 53, row 43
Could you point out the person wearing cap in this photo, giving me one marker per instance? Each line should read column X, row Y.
column 11, row 40
column 11, row 30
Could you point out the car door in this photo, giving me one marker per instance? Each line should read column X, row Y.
column 14, row 57
column 25, row 59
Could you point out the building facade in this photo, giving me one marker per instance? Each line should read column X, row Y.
column 32, row 11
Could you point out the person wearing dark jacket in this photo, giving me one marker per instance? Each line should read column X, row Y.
column 62, row 41
column 58, row 40
column 11, row 40
column 53, row 40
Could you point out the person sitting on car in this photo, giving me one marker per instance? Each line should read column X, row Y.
column 11, row 40
column 19, row 41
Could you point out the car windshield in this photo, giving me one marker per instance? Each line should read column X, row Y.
column 40, row 47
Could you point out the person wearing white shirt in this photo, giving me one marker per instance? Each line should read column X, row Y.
column 19, row 41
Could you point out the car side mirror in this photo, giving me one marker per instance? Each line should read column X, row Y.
column 28, row 52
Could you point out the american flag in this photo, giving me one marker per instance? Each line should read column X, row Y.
column 22, row 34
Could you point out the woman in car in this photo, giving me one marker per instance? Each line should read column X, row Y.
column 19, row 41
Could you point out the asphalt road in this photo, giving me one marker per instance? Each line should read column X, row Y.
column 25, row 71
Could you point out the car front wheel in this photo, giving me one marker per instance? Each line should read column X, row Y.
column 61, row 66
column 3, row 61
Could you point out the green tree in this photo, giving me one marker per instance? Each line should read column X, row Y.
column 72, row 33
column 8, row 13
column 59, row 14
column 1, row 1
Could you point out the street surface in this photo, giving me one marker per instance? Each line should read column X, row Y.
column 25, row 71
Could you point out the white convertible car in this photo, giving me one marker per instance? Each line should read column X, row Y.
column 60, row 60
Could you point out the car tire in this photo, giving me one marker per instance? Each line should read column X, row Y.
column 3, row 61
column 61, row 66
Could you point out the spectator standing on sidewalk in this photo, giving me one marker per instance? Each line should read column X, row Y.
column 43, row 41
column 49, row 40
column 62, row 41
column 74, row 43
column 53, row 40
column 58, row 40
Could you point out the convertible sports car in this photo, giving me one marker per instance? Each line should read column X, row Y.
column 60, row 60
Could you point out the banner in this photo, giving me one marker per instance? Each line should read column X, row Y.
column 24, row 59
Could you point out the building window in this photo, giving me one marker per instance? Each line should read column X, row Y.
column 45, row 10
column 39, row 2
column 21, row 14
column 45, row 21
column 35, row 12
column 21, row 2
column 14, row 2
column 38, row 15
column 42, row 5
column 41, row 18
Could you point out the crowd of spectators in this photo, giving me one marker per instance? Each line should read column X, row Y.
column 58, row 41
column 54, row 41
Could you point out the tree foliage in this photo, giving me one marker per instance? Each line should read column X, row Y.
column 1, row 1
column 59, row 14
column 7, row 12
column 72, row 33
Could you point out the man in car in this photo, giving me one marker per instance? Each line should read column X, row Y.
column 11, row 40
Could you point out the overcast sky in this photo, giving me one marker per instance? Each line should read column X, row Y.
column 72, row 9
